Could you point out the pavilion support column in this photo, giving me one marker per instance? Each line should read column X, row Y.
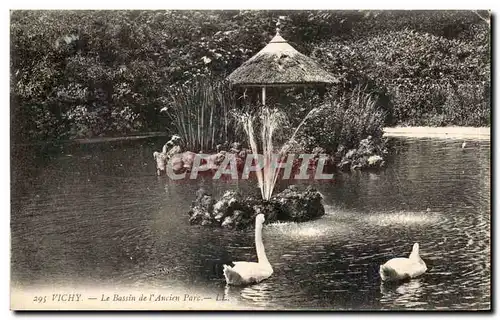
column 263, row 96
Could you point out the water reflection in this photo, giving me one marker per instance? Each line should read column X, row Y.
column 102, row 217
column 299, row 230
column 259, row 294
column 402, row 295
column 405, row 218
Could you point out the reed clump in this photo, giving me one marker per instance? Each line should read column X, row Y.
column 200, row 113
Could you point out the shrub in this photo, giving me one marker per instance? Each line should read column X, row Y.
column 86, row 122
column 418, row 103
column 127, row 59
column 418, row 72
column 43, row 123
column 466, row 104
column 342, row 122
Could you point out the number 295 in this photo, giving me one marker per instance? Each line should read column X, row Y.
column 40, row 299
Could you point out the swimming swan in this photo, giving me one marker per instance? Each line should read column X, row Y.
column 403, row 268
column 243, row 273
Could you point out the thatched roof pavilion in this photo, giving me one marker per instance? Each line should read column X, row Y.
column 279, row 64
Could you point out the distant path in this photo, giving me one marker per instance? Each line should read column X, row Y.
column 108, row 139
column 481, row 133
column 97, row 139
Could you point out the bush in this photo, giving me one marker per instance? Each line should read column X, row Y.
column 420, row 73
column 44, row 124
column 87, row 122
column 342, row 122
column 465, row 105
column 126, row 60
column 420, row 103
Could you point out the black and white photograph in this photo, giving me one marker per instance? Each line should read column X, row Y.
column 263, row 160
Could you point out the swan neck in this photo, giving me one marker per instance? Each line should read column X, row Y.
column 415, row 255
column 259, row 245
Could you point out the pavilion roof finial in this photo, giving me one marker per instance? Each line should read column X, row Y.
column 279, row 64
column 278, row 24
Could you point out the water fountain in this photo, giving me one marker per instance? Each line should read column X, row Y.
column 278, row 64
column 270, row 122
column 233, row 210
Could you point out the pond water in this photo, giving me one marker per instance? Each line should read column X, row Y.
column 96, row 214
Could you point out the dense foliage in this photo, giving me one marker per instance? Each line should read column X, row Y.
column 91, row 73
column 423, row 75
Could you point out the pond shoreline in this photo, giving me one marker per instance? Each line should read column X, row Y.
column 437, row 132
column 140, row 136
column 110, row 139
column 481, row 133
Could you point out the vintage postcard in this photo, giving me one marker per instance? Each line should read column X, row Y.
column 250, row 160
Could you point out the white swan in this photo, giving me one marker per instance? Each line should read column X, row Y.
column 244, row 272
column 403, row 268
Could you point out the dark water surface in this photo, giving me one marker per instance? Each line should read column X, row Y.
column 97, row 214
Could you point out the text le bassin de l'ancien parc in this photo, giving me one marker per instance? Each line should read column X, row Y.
column 142, row 297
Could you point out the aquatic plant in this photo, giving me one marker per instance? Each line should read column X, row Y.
column 343, row 121
column 200, row 113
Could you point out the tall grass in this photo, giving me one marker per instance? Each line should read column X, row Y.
column 343, row 121
column 200, row 112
